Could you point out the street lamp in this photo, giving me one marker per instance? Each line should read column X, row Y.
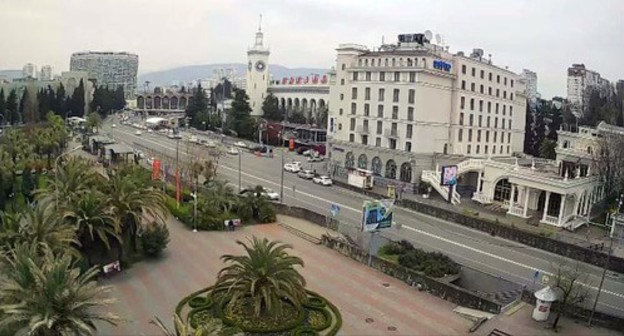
column 56, row 168
column 240, row 161
column 194, row 195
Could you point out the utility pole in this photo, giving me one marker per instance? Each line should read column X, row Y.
column 177, row 167
column 240, row 160
column 606, row 264
column 281, row 148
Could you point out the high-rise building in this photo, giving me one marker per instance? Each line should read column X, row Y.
column 46, row 73
column 530, row 80
column 581, row 83
column 109, row 69
column 29, row 71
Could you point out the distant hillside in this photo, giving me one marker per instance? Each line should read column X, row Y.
column 189, row 73
column 10, row 74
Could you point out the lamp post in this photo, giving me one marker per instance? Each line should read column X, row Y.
column 56, row 168
column 240, row 162
column 177, row 170
column 194, row 195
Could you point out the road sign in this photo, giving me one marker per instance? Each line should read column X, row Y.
column 335, row 210
column 545, row 279
column 377, row 215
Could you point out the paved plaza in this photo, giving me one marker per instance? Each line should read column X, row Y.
column 371, row 303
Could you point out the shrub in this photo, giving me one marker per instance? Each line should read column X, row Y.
column 266, row 214
column 183, row 212
column 315, row 302
column 155, row 239
column 304, row 331
column 200, row 301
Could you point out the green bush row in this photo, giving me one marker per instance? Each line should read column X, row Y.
column 433, row 264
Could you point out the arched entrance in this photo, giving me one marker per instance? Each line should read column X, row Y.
column 349, row 160
column 362, row 161
column 554, row 203
column 406, row 172
column 502, row 190
column 391, row 169
column 376, row 166
column 467, row 183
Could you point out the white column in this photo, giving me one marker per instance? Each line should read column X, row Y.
column 526, row 200
column 479, row 182
column 561, row 209
column 546, row 205
column 577, row 203
column 511, row 197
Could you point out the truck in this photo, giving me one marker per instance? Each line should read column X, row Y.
column 360, row 178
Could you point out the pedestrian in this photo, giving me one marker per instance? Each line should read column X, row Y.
column 231, row 225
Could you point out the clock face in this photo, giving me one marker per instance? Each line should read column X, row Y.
column 260, row 66
column 249, row 66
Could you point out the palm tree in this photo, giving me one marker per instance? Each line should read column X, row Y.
column 211, row 327
column 42, row 293
column 71, row 182
column 95, row 221
column 266, row 275
column 221, row 195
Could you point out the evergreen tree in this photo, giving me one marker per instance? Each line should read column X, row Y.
column 22, row 105
column 197, row 106
column 60, row 101
column 28, row 184
column 28, row 107
column 77, row 101
column 2, row 107
column 529, row 134
column 270, row 108
column 540, row 132
column 239, row 118
column 556, row 118
column 119, row 98
column 11, row 108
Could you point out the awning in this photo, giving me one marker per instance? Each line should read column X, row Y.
column 119, row 149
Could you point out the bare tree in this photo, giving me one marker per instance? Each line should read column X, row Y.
column 570, row 283
column 609, row 161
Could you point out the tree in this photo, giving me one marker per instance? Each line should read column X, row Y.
column 547, row 149
column 209, row 327
column 28, row 107
column 60, row 101
column 11, row 108
column 2, row 107
column 155, row 239
column 42, row 293
column 297, row 117
column 556, row 120
column 94, row 121
column 28, row 184
column 270, row 108
column 197, row 105
column 570, row 284
column 119, row 98
column 540, row 132
column 266, row 275
column 321, row 118
column 529, row 134
column 239, row 118
column 77, row 101
column 608, row 158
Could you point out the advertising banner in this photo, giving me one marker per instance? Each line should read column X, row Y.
column 377, row 215
column 449, row 176
column 156, row 169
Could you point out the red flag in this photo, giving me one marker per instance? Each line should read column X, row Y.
column 177, row 179
column 156, row 170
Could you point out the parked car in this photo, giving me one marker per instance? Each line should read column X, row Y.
column 114, row 126
column 306, row 174
column 300, row 150
column 138, row 133
column 289, row 167
column 210, row 144
column 322, row 180
column 269, row 193
column 232, row 151
column 310, row 152
column 316, row 158
column 240, row 144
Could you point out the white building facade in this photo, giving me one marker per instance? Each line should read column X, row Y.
column 29, row 71
column 581, row 82
column 46, row 73
column 398, row 110
column 530, row 81
column 110, row 69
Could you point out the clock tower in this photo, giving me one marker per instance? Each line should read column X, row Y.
column 257, row 73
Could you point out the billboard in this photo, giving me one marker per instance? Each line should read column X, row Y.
column 449, row 176
column 377, row 215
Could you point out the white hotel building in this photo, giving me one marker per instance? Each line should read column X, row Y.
column 403, row 108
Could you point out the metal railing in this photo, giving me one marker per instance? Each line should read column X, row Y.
column 481, row 198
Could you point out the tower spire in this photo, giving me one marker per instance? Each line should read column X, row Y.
column 260, row 24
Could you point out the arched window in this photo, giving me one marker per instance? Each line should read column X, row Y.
column 376, row 166
column 362, row 161
column 391, row 169
column 349, row 160
column 590, row 150
column 502, row 190
column 409, row 62
column 406, row 172
column 566, row 144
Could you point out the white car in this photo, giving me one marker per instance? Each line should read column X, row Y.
column 150, row 161
column 292, row 168
column 268, row 193
column 232, row 151
column 210, row 144
column 150, row 131
column 240, row 144
column 322, row 180
column 138, row 133
column 113, row 126
column 306, row 174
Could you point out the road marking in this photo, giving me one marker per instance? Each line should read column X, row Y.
column 344, row 206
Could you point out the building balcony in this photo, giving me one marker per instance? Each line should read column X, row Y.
column 391, row 133
column 361, row 129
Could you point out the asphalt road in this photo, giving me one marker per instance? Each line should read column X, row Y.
column 509, row 260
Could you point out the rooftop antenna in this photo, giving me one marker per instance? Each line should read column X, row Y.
column 438, row 39
column 382, row 40
column 428, row 35
column 260, row 24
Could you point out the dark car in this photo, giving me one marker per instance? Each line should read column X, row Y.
column 302, row 149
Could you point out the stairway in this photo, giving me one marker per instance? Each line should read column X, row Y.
column 433, row 178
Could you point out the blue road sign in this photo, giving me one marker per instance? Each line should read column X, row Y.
column 335, row 210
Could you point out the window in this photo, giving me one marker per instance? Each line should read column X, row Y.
column 473, row 72
column 504, row 94
column 353, row 93
column 472, row 87
column 463, row 85
column 469, row 135
column 409, row 62
column 489, row 108
column 392, row 144
column 379, row 111
column 343, row 66
column 471, row 122
column 408, row 146
column 408, row 132
column 490, row 76
column 353, row 108
column 366, row 110
column 460, row 135
column 386, row 62
column 508, row 140
column 464, row 69
column 364, row 139
column 382, row 93
column 412, row 77
column 493, row 149
column 395, row 112
column 511, row 96
column 477, row 149
column 393, row 62
column 501, row 149
column 410, row 96
column 509, row 123
column 365, row 125
column 495, row 134
column 378, row 142
column 342, row 96
column 468, row 149
column 490, row 90
column 487, row 124
column 367, row 93
column 462, row 102
column 355, row 76
column 340, row 126
column 395, row 95
column 497, row 93
column 480, row 120
column 496, row 122
column 368, row 75
column 352, row 124
column 479, row 136
column 507, row 149
column 382, row 76
column 504, row 109
column 410, row 113
column 512, row 83
column 486, row 149
column 359, row 62
column 340, row 111
column 510, row 111
column 482, row 74
column 496, row 109
column 481, row 88
column 342, row 81
column 351, row 137
column 480, row 105
column 498, row 79
column 487, row 136
column 505, row 81
column 461, row 118
column 397, row 76
column 379, row 126
column 471, row 104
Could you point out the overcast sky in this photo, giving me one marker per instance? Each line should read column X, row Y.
column 546, row 36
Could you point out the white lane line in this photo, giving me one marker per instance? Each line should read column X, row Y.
column 411, row 228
